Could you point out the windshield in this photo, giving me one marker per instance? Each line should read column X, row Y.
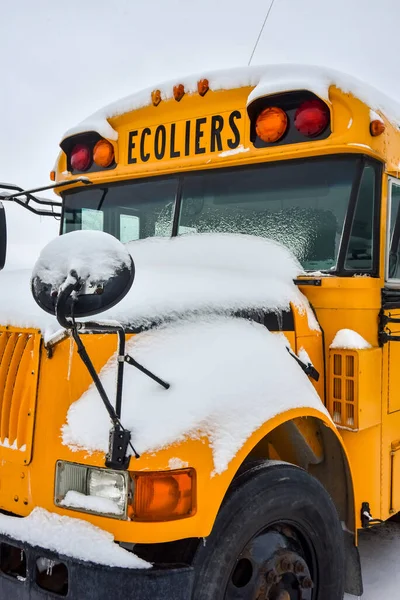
column 306, row 205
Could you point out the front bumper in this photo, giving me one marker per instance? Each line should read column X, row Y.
column 20, row 578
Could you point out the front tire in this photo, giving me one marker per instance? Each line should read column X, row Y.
column 277, row 537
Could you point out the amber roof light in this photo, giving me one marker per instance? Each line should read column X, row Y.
column 103, row 154
column 203, row 87
column 179, row 92
column 376, row 127
column 271, row 124
column 156, row 97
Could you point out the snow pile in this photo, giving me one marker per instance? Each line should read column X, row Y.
column 70, row 537
column 268, row 79
column 7, row 444
column 177, row 463
column 93, row 254
column 207, row 273
column 348, row 339
column 235, row 376
column 174, row 276
column 94, row 503
column 304, row 357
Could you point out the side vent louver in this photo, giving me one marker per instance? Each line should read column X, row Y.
column 19, row 363
column 343, row 389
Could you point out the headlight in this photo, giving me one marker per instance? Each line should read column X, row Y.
column 111, row 486
column 92, row 490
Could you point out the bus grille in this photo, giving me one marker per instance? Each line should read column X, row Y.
column 19, row 365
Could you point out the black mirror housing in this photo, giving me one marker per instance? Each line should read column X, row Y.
column 80, row 274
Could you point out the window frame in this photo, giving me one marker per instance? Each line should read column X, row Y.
column 390, row 282
column 342, row 271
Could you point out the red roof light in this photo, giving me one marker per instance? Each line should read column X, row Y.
column 81, row 158
column 311, row 118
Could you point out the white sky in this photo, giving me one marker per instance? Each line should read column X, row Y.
column 61, row 61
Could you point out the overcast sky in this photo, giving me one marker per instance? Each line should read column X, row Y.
column 60, row 61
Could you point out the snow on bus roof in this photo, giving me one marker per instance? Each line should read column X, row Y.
column 268, row 79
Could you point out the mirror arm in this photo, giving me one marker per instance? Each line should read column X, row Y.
column 29, row 195
column 120, row 371
column 94, row 327
column 131, row 361
column 120, row 437
column 93, row 373
column 36, row 211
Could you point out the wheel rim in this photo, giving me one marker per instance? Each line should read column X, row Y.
column 278, row 563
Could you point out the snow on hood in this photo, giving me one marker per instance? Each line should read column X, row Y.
column 70, row 537
column 227, row 376
column 188, row 274
column 267, row 79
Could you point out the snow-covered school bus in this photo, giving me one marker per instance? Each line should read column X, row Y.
column 201, row 397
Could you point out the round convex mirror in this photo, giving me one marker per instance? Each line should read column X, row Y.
column 82, row 273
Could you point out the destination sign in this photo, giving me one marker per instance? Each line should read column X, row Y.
column 204, row 135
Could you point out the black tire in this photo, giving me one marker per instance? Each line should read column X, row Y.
column 267, row 498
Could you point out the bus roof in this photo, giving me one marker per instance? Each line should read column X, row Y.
column 265, row 80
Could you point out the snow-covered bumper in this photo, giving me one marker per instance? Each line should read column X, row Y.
column 33, row 573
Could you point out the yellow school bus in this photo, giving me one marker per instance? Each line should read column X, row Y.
column 307, row 158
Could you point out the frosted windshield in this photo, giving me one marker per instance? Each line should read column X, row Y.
column 300, row 203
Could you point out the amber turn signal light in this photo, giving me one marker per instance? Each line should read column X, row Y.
column 376, row 127
column 103, row 154
column 271, row 124
column 156, row 97
column 164, row 495
column 179, row 92
column 202, row 87
column 52, row 175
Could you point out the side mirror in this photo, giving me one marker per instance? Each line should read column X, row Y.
column 80, row 274
column 3, row 236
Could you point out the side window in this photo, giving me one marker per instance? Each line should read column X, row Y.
column 394, row 232
column 129, row 228
column 92, row 219
column 360, row 249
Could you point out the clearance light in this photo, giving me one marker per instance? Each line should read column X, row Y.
column 203, row 87
column 81, row 157
column 156, row 97
column 271, row 124
column 376, row 127
column 179, row 92
column 311, row 118
column 52, row 175
column 103, row 154
column 164, row 496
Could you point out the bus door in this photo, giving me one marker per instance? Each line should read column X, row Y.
column 389, row 336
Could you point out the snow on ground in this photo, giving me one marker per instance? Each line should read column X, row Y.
column 268, row 79
column 349, row 340
column 190, row 273
column 380, row 551
column 208, row 387
column 71, row 537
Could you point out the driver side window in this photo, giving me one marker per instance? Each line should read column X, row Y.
column 394, row 232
